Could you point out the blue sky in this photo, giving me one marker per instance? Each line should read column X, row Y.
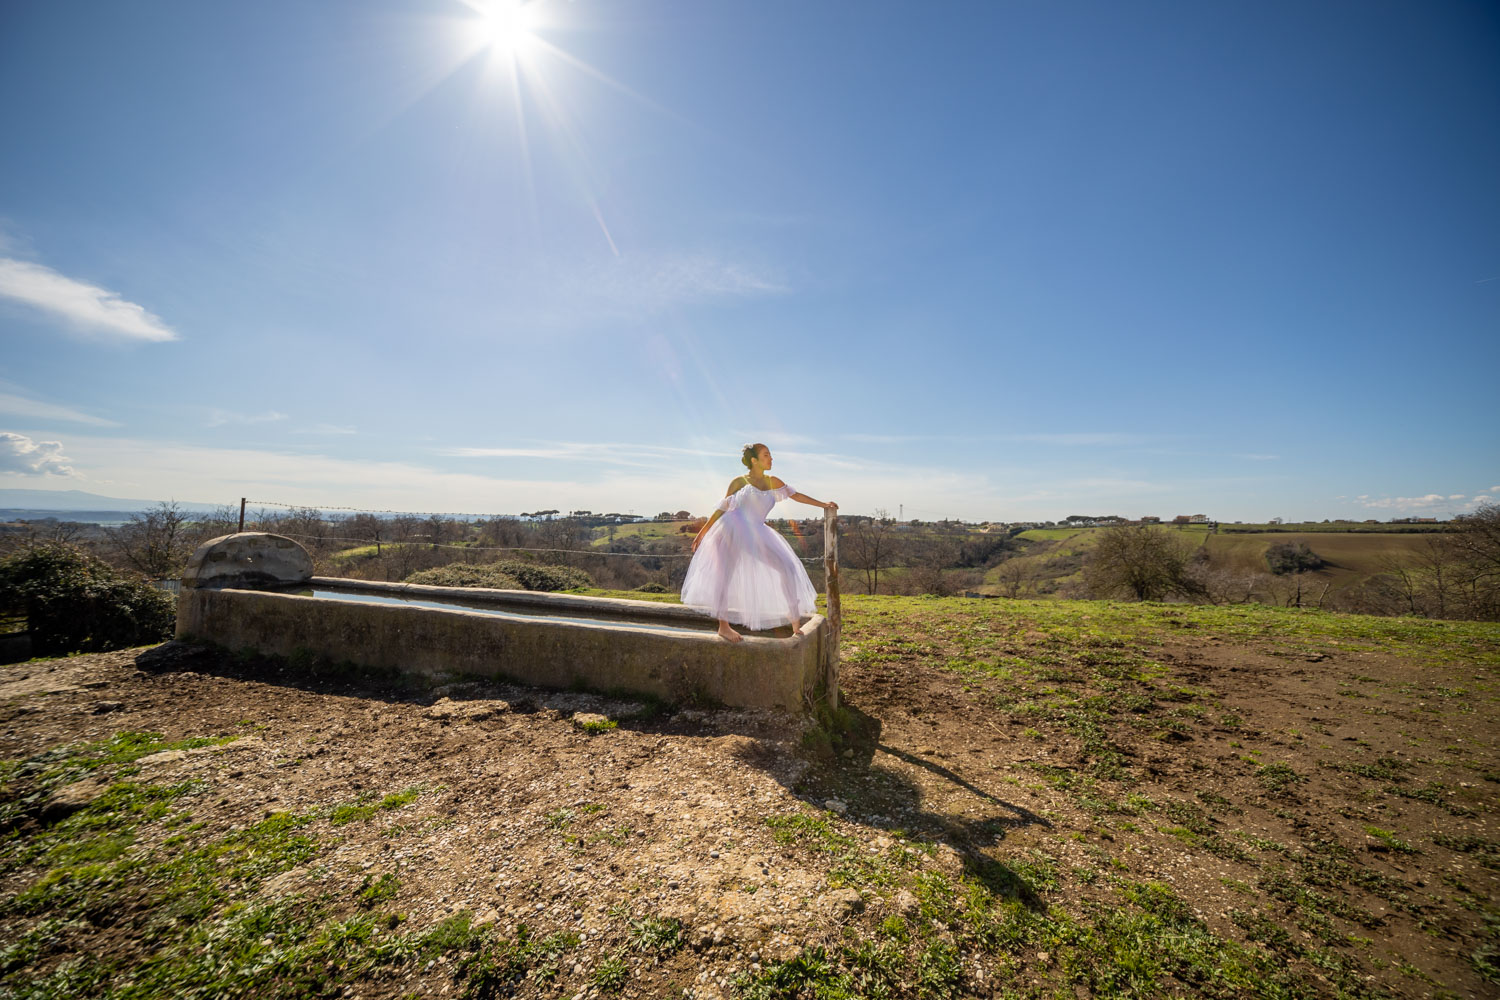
column 996, row 261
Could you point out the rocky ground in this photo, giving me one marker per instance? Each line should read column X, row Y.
column 1016, row 799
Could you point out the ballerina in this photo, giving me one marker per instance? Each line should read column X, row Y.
column 742, row 569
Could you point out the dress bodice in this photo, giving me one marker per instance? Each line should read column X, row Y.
column 754, row 503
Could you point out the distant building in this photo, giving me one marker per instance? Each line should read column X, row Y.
column 1150, row 519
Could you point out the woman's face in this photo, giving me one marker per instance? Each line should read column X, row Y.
column 765, row 458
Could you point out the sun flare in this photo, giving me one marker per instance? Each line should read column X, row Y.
column 506, row 26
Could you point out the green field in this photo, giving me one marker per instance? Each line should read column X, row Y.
column 646, row 531
column 1350, row 556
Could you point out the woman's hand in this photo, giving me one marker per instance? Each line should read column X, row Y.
column 696, row 540
column 830, row 505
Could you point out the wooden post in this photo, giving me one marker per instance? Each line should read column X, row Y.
column 242, row 513
column 833, row 613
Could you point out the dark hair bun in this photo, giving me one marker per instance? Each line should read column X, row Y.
column 749, row 452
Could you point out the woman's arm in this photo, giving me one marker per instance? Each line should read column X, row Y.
column 704, row 530
column 804, row 498
column 733, row 486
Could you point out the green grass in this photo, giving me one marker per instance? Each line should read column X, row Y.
column 192, row 900
column 351, row 812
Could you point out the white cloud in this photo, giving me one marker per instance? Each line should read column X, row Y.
column 1455, row 496
column 1493, row 489
column 20, row 454
column 1430, row 502
column 21, row 406
column 218, row 418
column 82, row 305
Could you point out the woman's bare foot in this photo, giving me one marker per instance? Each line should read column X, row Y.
column 725, row 632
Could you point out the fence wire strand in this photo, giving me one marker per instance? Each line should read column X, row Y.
column 508, row 548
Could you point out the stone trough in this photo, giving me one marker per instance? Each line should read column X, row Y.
column 257, row 591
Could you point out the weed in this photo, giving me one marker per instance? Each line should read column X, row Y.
column 660, row 935
column 610, row 974
column 1391, row 841
column 1277, row 778
column 373, row 892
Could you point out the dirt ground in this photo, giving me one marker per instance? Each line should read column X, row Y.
column 1250, row 784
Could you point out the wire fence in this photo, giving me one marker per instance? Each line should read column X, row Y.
column 585, row 550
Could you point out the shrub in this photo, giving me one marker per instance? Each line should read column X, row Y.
column 465, row 575
column 535, row 576
column 75, row 603
column 1292, row 557
column 509, row 574
column 653, row 588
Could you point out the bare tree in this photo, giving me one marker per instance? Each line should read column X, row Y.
column 927, row 558
column 1142, row 562
column 1016, row 576
column 869, row 546
column 222, row 520
column 154, row 542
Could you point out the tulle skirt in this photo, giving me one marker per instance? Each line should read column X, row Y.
column 746, row 573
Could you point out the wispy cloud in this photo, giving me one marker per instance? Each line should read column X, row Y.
column 80, row 305
column 327, row 429
column 20, row 454
column 1082, row 439
column 21, row 406
column 601, row 453
column 884, row 438
column 1429, row 502
column 218, row 418
column 646, row 284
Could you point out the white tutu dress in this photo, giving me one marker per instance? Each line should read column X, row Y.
column 744, row 571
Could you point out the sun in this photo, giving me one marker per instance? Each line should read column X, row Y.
column 505, row 26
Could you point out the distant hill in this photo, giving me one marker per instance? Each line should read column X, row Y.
column 41, row 503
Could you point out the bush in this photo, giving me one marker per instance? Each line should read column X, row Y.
column 653, row 588
column 465, row 575
column 509, row 574
column 1292, row 557
column 535, row 576
column 74, row 603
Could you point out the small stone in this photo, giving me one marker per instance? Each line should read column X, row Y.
column 590, row 720
column 713, row 854
column 100, row 708
column 837, row 806
column 849, row 754
column 1043, row 956
column 906, row 904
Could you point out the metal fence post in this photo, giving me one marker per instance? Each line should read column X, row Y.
column 242, row 514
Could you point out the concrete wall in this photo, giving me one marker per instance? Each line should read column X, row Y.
column 248, row 559
column 674, row 667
